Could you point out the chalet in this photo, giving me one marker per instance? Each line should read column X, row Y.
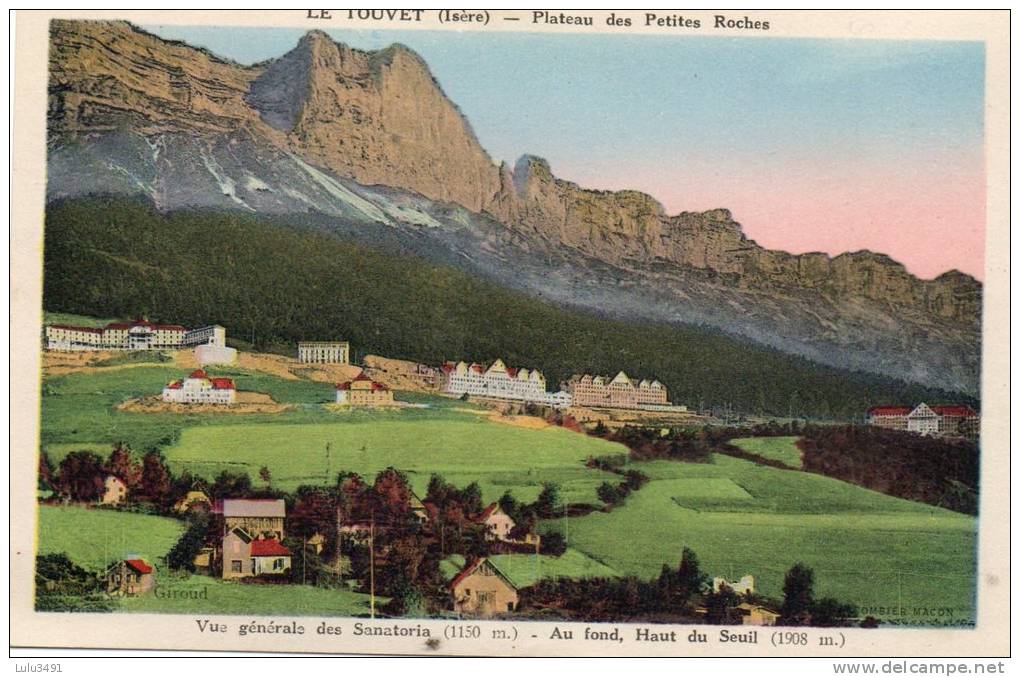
column 498, row 524
column 130, row 578
column 619, row 392
column 245, row 555
column 114, row 491
column 138, row 335
column 200, row 388
column 362, row 391
column 257, row 516
column 480, row 589
column 499, row 527
column 755, row 614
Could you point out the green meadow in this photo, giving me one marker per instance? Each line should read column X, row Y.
column 96, row 537
column 782, row 449
column 866, row 548
column 498, row 457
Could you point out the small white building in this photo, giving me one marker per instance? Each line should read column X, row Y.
column 497, row 523
column 324, row 352
column 200, row 388
column 742, row 587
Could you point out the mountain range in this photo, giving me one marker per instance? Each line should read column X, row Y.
column 366, row 145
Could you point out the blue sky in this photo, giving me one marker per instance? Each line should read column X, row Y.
column 698, row 122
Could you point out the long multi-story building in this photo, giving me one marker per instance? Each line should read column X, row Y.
column 200, row 388
column 619, row 392
column 499, row 381
column 324, row 352
column 138, row 335
column 936, row 420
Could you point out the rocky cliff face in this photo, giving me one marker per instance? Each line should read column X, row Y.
column 318, row 128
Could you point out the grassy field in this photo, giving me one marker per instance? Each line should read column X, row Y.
column 866, row 548
column 498, row 457
column 523, row 570
column 205, row 595
column 782, row 449
column 93, row 537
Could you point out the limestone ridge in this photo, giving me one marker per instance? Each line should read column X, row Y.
column 370, row 137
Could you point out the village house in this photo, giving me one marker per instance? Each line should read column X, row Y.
column 499, row 381
column 755, row 614
column 362, row 391
column 744, row 586
column 193, row 500
column 138, row 335
column 200, row 388
column 114, row 490
column 480, row 589
column 937, row 420
column 324, row 352
column 257, row 516
column 130, row 578
column 245, row 555
column 620, row 392
column 499, row 527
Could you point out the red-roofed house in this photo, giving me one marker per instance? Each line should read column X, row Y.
column 953, row 420
column 200, row 388
column 245, row 555
column 497, row 523
column 480, row 589
column 130, row 578
column 361, row 391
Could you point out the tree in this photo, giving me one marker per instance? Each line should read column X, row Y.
column 80, row 476
column 609, row 494
column 231, row 485
column 45, row 479
column 265, row 475
column 828, row 612
column 62, row 585
column 553, row 543
column 798, row 594
column 155, row 483
column 471, row 499
column 689, row 578
column 182, row 555
column 545, row 504
column 121, row 464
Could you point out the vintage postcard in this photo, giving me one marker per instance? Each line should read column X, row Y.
column 643, row 333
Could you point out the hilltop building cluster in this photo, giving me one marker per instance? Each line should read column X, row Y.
column 954, row 420
column 138, row 335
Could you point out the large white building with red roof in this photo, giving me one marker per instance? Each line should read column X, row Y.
column 362, row 391
column 499, row 381
column 138, row 335
column 200, row 388
column 954, row 420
